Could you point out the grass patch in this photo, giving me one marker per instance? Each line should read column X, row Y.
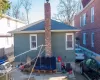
column 3, row 78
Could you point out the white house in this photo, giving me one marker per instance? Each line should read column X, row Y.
column 7, row 24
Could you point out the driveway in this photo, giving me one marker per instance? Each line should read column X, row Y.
column 76, row 69
column 17, row 75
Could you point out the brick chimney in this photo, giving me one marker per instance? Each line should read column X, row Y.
column 47, row 9
column 85, row 2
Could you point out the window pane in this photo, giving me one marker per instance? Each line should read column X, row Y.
column 92, row 39
column 92, row 14
column 80, row 21
column 92, row 18
column 33, row 38
column 69, row 44
column 69, row 37
column 84, row 38
column 33, row 44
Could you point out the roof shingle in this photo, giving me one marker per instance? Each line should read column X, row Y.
column 55, row 25
column 39, row 26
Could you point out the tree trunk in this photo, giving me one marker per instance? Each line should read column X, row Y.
column 27, row 17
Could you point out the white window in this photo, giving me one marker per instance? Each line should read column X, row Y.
column 92, row 14
column 84, row 38
column 92, row 39
column 84, row 19
column 69, row 41
column 33, row 41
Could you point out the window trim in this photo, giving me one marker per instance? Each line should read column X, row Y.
column 84, row 38
column 92, row 42
column 72, row 41
column 31, row 42
column 92, row 14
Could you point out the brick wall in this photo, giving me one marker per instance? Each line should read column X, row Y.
column 48, row 29
column 85, row 2
column 90, row 27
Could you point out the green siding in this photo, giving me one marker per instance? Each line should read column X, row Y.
column 59, row 49
column 22, row 44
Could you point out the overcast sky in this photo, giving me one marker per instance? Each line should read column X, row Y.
column 37, row 10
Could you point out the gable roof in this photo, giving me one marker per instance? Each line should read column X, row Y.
column 91, row 1
column 14, row 19
column 39, row 26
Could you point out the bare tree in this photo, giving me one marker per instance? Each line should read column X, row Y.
column 16, row 9
column 22, row 17
column 27, row 5
column 66, row 11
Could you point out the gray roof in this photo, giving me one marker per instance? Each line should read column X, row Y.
column 54, row 26
column 39, row 25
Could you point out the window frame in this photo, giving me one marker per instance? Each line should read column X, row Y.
column 72, row 41
column 92, row 14
column 31, row 42
column 84, row 38
column 84, row 19
column 92, row 40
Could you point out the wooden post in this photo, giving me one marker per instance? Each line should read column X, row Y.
column 6, row 76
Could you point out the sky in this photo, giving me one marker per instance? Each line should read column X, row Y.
column 37, row 9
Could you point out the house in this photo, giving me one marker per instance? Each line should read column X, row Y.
column 8, row 23
column 58, row 38
column 89, row 22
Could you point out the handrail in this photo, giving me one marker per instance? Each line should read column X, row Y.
column 89, row 51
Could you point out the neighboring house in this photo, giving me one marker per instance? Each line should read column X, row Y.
column 58, row 37
column 85, row 2
column 8, row 23
column 88, row 20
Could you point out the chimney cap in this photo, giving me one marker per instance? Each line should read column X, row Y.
column 47, row 1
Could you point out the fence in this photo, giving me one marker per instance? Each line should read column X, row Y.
column 2, row 52
column 9, row 52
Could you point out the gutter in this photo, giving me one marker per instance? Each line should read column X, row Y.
column 42, row 31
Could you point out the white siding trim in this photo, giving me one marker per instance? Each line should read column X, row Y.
column 31, row 41
column 42, row 31
column 72, row 41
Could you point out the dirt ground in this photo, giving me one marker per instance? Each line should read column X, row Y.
column 17, row 75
